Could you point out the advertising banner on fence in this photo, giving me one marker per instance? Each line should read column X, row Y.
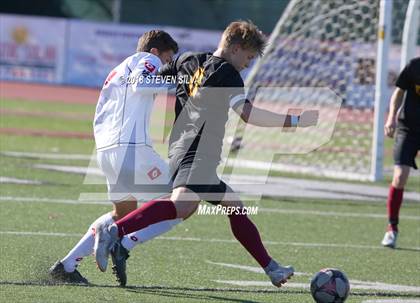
column 32, row 49
column 77, row 52
column 95, row 48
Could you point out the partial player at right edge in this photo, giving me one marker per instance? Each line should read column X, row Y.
column 407, row 141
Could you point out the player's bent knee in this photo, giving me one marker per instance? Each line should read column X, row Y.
column 184, row 194
column 185, row 209
column 123, row 208
column 192, row 211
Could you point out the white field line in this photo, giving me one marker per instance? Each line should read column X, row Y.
column 260, row 209
column 262, row 283
column 80, row 170
column 255, row 269
column 38, row 233
column 193, row 239
column 392, row 301
column 383, row 286
column 59, row 156
column 286, row 186
column 354, row 285
column 49, row 200
column 9, row 180
column 332, row 213
column 54, row 156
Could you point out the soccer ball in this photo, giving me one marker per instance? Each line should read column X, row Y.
column 330, row 285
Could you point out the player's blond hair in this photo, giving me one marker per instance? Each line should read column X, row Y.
column 244, row 33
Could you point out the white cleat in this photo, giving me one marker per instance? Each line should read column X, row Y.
column 279, row 274
column 390, row 239
column 105, row 238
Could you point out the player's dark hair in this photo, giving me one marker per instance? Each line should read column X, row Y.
column 158, row 39
column 246, row 34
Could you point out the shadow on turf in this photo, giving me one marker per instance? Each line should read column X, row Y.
column 407, row 249
column 174, row 294
column 174, row 291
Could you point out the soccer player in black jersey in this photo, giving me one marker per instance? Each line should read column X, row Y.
column 404, row 118
column 195, row 144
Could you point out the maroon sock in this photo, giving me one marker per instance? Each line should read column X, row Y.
column 247, row 234
column 395, row 198
column 149, row 213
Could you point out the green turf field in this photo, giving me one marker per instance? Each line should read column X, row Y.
column 198, row 261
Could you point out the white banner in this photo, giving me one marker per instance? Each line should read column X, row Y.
column 94, row 48
column 31, row 48
column 76, row 52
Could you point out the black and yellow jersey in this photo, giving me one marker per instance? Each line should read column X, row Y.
column 409, row 80
column 208, row 86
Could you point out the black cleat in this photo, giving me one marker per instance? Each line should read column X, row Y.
column 58, row 274
column 119, row 256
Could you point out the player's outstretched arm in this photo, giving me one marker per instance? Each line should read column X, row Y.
column 264, row 118
column 394, row 105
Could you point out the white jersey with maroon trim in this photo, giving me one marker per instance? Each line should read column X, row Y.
column 125, row 103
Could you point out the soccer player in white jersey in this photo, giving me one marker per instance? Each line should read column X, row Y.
column 134, row 171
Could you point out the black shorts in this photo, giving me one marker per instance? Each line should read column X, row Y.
column 406, row 146
column 198, row 175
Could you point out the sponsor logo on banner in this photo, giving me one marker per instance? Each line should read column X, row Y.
column 32, row 48
column 20, row 34
column 53, row 50
column 103, row 46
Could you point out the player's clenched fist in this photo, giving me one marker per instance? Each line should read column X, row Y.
column 308, row 118
column 389, row 128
